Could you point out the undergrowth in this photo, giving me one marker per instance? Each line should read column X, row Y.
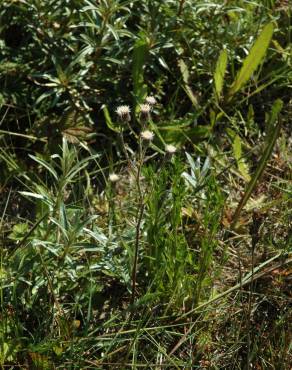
column 146, row 184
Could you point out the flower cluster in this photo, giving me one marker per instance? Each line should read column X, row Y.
column 146, row 135
column 124, row 111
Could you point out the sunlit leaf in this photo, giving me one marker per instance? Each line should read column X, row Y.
column 241, row 164
column 140, row 52
column 185, row 75
column 220, row 72
column 252, row 61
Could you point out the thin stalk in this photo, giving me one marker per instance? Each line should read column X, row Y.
column 140, row 213
column 4, row 322
column 112, row 208
column 255, row 237
column 121, row 136
column 250, row 301
column 51, row 289
column 137, row 239
column 270, row 143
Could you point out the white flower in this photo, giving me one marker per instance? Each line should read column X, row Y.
column 123, row 111
column 147, row 135
column 113, row 177
column 145, row 110
column 150, row 100
column 171, row 149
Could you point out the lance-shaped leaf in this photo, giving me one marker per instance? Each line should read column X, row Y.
column 186, row 75
column 240, row 161
column 220, row 70
column 253, row 59
column 140, row 53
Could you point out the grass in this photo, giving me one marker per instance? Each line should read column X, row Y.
column 154, row 236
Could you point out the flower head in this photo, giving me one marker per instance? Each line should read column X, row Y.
column 150, row 100
column 113, row 177
column 145, row 112
column 170, row 149
column 147, row 135
column 123, row 111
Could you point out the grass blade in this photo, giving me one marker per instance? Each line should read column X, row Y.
column 271, row 140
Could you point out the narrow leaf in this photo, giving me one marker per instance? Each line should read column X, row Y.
column 140, row 52
column 220, row 72
column 241, row 164
column 253, row 59
column 185, row 75
column 108, row 120
column 276, row 108
column 45, row 164
column 271, row 140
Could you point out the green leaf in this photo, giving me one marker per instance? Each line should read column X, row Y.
column 181, row 134
column 108, row 120
column 45, row 164
column 140, row 53
column 18, row 231
column 241, row 164
column 220, row 70
column 250, row 114
column 253, row 59
column 270, row 142
column 80, row 166
column 185, row 75
column 276, row 109
column 40, row 361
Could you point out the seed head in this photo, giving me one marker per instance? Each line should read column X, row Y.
column 170, row 149
column 113, row 177
column 147, row 135
column 150, row 100
column 123, row 111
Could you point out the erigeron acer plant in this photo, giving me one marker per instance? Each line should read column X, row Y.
column 136, row 164
column 83, row 236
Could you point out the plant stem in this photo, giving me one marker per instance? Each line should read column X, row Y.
column 181, row 4
column 137, row 238
column 140, row 212
column 254, row 231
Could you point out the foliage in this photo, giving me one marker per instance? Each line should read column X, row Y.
column 159, row 237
